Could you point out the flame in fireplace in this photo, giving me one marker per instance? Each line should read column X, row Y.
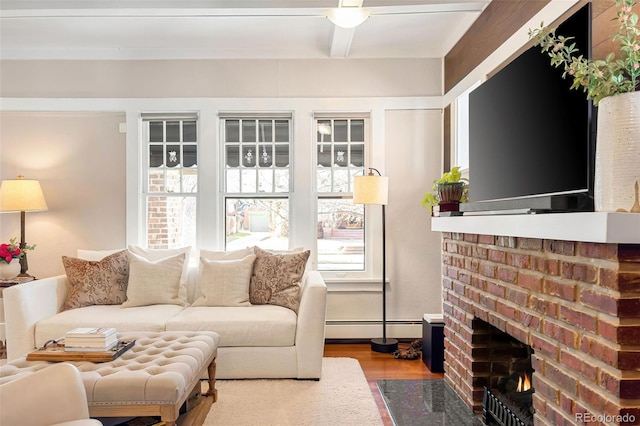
column 524, row 383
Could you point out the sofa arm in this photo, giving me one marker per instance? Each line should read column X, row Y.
column 25, row 305
column 311, row 326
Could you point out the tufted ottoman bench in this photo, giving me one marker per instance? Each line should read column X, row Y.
column 153, row 378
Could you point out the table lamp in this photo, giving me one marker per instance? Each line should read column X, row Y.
column 22, row 195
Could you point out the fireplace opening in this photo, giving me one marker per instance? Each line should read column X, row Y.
column 508, row 393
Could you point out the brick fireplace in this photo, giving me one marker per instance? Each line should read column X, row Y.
column 576, row 304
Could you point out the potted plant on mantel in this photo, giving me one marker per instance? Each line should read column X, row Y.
column 447, row 192
column 612, row 83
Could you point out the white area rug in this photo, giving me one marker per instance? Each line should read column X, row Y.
column 342, row 397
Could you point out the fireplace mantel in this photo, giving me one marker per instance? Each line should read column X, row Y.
column 601, row 227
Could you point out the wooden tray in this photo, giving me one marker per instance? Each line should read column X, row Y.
column 55, row 352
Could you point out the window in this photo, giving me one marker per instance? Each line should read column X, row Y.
column 257, row 180
column 171, row 180
column 340, row 155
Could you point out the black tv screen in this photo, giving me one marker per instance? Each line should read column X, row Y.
column 530, row 142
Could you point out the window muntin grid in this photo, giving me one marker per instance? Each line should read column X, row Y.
column 257, row 155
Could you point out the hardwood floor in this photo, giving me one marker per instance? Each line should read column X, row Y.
column 381, row 366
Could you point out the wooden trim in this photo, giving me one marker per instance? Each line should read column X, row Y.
column 499, row 21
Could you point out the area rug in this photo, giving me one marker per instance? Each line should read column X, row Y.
column 341, row 397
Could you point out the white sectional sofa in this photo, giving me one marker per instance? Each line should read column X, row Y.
column 257, row 341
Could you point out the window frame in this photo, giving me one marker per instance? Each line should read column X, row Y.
column 370, row 220
column 145, row 194
column 222, row 164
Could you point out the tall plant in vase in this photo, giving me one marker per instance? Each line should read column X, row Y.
column 612, row 83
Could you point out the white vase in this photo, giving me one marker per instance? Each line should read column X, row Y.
column 9, row 270
column 618, row 154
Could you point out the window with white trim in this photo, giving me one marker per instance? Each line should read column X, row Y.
column 257, row 179
column 341, row 143
column 170, row 187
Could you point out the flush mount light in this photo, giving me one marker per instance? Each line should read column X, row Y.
column 348, row 17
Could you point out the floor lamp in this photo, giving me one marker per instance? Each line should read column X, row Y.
column 372, row 189
column 22, row 195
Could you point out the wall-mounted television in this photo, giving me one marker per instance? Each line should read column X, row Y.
column 531, row 138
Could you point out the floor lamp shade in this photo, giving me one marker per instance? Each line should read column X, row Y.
column 22, row 195
column 371, row 190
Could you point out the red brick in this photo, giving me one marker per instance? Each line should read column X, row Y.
column 479, row 252
column 599, row 301
column 505, row 241
column 507, row 275
column 548, row 390
column 560, row 247
column 517, row 296
column 628, row 334
column 564, row 290
column 543, row 306
column 628, row 360
column 561, row 333
column 629, row 307
column 579, row 365
column 519, row 260
column 545, row 346
column 497, row 256
column 518, row 333
column 605, row 353
column 478, row 282
column 598, row 250
column 579, row 272
column 538, row 264
column 529, row 320
column 629, row 253
column 565, row 382
column 552, row 267
column 534, row 244
column 488, row 270
column 496, row 289
column 486, row 239
column 471, row 264
column 592, row 398
column 531, row 282
column 506, row 310
column 579, row 319
column 470, row 238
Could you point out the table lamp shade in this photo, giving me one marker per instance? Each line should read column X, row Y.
column 371, row 190
column 21, row 195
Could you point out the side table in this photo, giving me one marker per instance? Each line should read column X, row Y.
column 4, row 284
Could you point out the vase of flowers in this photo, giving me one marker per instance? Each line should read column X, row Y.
column 612, row 83
column 10, row 255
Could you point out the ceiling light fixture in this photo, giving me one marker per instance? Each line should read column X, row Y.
column 348, row 17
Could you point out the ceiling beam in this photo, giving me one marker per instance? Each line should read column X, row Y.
column 341, row 39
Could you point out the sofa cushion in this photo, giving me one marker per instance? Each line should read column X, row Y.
column 154, row 282
column 102, row 282
column 276, row 278
column 225, row 282
column 259, row 325
column 143, row 318
column 158, row 254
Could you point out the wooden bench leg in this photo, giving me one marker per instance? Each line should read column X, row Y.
column 211, row 370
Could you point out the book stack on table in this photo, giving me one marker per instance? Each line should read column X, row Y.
column 91, row 339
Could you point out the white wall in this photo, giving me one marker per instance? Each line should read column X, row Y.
column 79, row 157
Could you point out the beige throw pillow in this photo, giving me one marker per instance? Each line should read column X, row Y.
column 157, row 254
column 102, row 282
column 154, row 282
column 276, row 278
column 225, row 282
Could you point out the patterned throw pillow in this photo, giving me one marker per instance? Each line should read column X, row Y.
column 276, row 278
column 102, row 282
